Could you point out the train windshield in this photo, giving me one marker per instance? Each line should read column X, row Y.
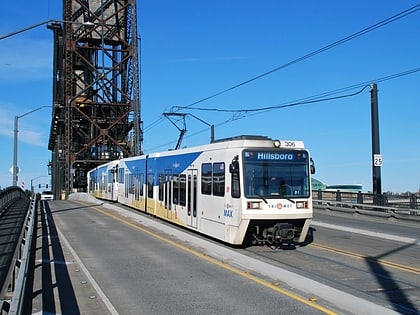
column 276, row 173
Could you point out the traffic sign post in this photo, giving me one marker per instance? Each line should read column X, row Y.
column 377, row 160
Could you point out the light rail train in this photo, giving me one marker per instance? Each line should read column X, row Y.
column 246, row 189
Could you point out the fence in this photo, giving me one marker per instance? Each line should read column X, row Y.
column 15, row 247
column 397, row 206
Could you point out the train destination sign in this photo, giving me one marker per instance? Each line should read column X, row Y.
column 275, row 156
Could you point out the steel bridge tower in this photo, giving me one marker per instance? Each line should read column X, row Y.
column 96, row 90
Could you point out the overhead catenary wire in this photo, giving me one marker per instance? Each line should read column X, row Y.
column 326, row 96
column 311, row 54
column 240, row 115
column 316, row 52
column 322, row 97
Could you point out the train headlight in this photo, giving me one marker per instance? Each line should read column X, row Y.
column 276, row 143
column 253, row 205
column 301, row 204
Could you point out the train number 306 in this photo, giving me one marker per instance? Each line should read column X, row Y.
column 289, row 144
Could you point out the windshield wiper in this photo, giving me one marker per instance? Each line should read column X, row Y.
column 291, row 200
column 262, row 198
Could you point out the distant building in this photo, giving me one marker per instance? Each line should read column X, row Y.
column 318, row 185
column 349, row 188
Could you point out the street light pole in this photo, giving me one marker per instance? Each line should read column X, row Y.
column 15, row 170
column 15, row 136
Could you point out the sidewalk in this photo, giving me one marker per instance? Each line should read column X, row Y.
column 58, row 284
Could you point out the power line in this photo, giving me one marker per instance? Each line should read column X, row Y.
column 277, row 106
column 316, row 52
column 322, row 97
column 308, row 100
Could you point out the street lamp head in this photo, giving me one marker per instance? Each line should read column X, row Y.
column 52, row 24
column 88, row 24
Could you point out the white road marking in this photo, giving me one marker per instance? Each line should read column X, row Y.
column 390, row 237
column 95, row 285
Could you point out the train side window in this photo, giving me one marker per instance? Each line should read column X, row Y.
column 236, row 187
column 110, row 176
column 137, row 186
column 219, row 179
column 168, row 183
column 126, row 185
column 132, row 184
column 206, row 178
column 161, row 185
column 195, row 196
column 182, row 190
column 235, row 182
column 150, row 181
column 175, row 186
column 141, row 183
column 189, row 194
column 103, row 183
column 121, row 175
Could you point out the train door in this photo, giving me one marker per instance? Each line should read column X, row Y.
column 150, row 203
column 192, row 198
column 168, row 194
column 140, row 191
column 114, row 183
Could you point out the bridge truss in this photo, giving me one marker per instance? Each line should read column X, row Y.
column 96, row 90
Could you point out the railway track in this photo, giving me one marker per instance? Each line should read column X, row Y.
column 382, row 281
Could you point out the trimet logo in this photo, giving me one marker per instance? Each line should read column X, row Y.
column 282, row 206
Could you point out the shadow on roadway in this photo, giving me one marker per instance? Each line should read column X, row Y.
column 77, row 208
column 394, row 293
column 49, row 281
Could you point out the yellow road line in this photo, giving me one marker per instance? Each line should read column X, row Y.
column 310, row 302
column 364, row 257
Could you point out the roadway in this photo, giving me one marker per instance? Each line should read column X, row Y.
column 106, row 259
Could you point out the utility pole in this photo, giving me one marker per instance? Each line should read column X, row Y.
column 376, row 154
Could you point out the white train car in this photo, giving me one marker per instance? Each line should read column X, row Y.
column 102, row 181
column 247, row 188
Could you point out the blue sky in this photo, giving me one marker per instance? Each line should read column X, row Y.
column 191, row 50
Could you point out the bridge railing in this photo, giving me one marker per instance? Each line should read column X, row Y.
column 393, row 206
column 14, row 275
column 8, row 196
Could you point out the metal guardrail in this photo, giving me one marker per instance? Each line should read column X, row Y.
column 18, row 298
column 407, row 201
column 13, row 289
column 8, row 196
column 388, row 206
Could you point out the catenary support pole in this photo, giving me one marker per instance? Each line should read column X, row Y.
column 376, row 154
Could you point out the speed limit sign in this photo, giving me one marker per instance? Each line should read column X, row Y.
column 377, row 160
